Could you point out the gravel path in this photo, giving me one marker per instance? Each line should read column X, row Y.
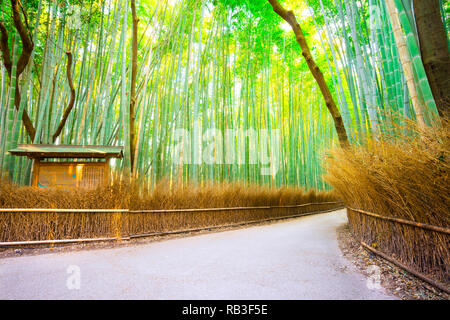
column 296, row 259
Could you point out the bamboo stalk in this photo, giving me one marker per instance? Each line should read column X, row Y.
column 406, row 62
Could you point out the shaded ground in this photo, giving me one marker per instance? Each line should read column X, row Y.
column 296, row 259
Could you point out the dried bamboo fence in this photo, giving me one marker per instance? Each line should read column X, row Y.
column 417, row 247
column 20, row 227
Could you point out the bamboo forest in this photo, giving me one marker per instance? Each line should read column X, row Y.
column 217, row 91
column 131, row 119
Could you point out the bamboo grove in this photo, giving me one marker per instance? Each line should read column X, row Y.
column 219, row 90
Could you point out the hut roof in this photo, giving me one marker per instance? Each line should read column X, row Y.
column 66, row 151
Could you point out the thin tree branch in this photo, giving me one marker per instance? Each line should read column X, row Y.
column 72, row 97
column 26, row 21
column 5, row 49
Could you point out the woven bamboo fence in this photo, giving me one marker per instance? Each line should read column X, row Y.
column 28, row 226
column 422, row 247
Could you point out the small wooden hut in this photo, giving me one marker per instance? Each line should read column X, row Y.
column 69, row 166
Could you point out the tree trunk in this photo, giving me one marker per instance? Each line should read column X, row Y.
column 27, row 49
column 133, row 86
column 289, row 17
column 434, row 50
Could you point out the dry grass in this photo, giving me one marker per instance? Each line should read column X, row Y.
column 404, row 178
column 115, row 196
column 221, row 196
column 47, row 226
column 218, row 196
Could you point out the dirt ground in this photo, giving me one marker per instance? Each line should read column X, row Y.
column 394, row 279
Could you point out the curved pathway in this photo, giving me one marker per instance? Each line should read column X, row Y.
column 296, row 259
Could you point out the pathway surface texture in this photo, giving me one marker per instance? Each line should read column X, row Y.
column 295, row 259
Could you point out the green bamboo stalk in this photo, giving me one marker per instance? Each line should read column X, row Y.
column 11, row 107
column 414, row 52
